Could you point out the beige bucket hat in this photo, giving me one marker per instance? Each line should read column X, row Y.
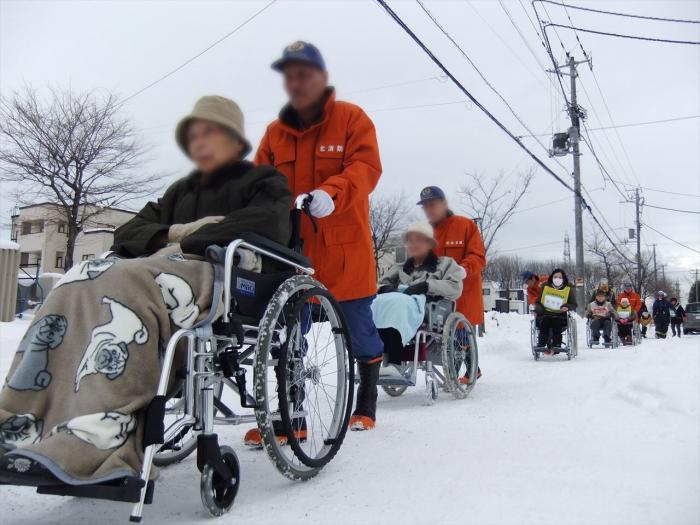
column 220, row 110
column 422, row 228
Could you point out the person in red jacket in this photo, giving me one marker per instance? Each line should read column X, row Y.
column 328, row 149
column 459, row 238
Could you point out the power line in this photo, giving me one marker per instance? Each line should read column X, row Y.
column 478, row 104
column 663, row 191
column 628, row 15
column 476, row 68
column 669, row 238
column 621, row 35
column 531, row 246
column 628, row 125
column 195, row 57
column 670, row 209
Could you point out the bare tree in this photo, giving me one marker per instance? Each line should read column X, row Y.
column 387, row 217
column 73, row 151
column 493, row 200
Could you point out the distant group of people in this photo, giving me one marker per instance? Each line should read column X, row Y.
column 552, row 296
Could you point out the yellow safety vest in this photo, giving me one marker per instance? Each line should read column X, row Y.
column 624, row 313
column 553, row 299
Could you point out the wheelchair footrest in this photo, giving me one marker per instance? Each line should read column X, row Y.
column 394, row 381
column 124, row 489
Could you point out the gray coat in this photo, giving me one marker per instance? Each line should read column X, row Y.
column 443, row 275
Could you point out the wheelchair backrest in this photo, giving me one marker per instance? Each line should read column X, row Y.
column 436, row 313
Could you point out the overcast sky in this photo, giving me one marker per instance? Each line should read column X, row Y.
column 122, row 46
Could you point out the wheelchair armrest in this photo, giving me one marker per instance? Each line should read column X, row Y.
column 217, row 254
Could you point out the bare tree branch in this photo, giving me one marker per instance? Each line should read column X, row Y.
column 387, row 217
column 492, row 202
column 73, row 151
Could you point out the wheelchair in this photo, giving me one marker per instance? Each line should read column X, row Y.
column 635, row 334
column 289, row 329
column 569, row 341
column 614, row 336
column 445, row 348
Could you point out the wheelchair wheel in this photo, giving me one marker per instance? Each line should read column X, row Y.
column 219, row 489
column 460, row 355
column 534, row 334
column 394, row 391
column 304, row 377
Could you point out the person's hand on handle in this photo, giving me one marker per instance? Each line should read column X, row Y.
column 564, row 309
column 177, row 232
column 321, row 204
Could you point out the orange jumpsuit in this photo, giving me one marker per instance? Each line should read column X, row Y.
column 459, row 238
column 338, row 154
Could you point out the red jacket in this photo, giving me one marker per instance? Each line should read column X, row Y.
column 459, row 238
column 338, row 154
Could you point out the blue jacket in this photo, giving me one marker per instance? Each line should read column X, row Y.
column 661, row 309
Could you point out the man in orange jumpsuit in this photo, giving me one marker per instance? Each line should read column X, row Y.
column 632, row 296
column 328, row 149
column 459, row 238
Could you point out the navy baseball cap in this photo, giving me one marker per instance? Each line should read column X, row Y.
column 300, row 52
column 431, row 193
column 527, row 275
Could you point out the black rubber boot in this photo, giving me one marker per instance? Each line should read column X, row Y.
column 366, row 403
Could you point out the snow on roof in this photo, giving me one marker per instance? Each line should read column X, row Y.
column 8, row 245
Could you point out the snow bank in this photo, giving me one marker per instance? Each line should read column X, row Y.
column 608, row 438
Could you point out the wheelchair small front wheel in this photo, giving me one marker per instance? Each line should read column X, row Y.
column 218, row 488
column 460, row 355
column 394, row 391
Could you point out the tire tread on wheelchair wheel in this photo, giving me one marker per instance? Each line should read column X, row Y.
column 283, row 456
column 454, row 324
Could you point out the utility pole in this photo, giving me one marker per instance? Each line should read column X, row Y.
column 578, row 211
column 639, row 239
column 567, row 252
column 575, row 113
column 696, row 285
column 656, row 274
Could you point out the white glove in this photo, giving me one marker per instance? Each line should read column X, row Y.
column 463, row 272
column 321, row 205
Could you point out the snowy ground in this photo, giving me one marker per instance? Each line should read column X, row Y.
column 612, row 437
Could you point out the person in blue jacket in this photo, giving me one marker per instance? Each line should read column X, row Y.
column 661, row 312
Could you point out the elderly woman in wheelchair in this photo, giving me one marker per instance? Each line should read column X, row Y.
column 90, row 389
column 416, row 318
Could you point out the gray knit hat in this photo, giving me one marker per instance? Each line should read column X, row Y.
column 220, row 110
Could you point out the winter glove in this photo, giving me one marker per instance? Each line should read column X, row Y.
column 248, row 260
column 321, row 204
column 417, row 289
column 177, row 232
column 386, row 289
column 169, row 249
column 463, row 272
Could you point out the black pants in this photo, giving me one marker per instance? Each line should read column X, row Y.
column 677, row 327
column 661, row 327
column 597, row 325
column 551, row 329
column 624, row 331
column 393, row 346
column 644, row 330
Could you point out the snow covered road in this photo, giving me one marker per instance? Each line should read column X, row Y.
column 612, row 437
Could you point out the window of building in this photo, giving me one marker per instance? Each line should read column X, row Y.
column 88, row 256
column 24, row 258
column 38, row 227
column 13, row 235
column 486, row 291
column 26, row 228
column 59, row 259
column 62, row 227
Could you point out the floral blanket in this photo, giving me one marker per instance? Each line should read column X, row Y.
column 89, row 364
